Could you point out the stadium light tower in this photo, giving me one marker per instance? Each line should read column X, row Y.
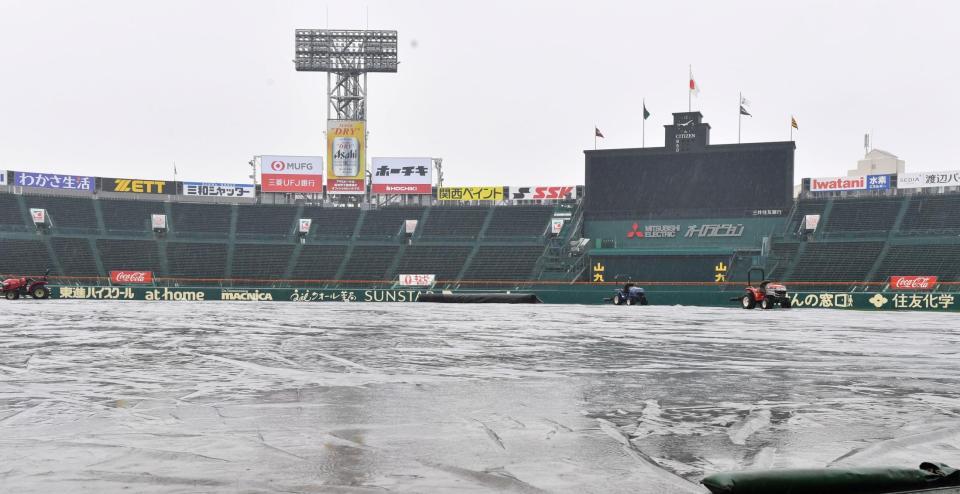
column 346, row 57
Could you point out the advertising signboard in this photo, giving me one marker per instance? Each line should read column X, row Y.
column 291, row 174
column 556, row 225
column 304, row 225
column 54, row 181
column 158, row 221
column 410, row 226
column 868, row 182
column 137, row 186
column 346, row 156
column 705, row 230
column 923, row 180
column 131, row 277
column 39, row 216
column 402, row 176
column 416, row 279
column 559, row 192
column 485, row 193
column 216, row 189
column 912, row 282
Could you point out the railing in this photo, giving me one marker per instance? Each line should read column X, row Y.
column 848, row 286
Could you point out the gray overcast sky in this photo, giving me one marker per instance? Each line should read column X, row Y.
column 507, row 92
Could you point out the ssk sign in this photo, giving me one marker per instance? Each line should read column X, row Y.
column 131, row 277
column 912, row 282
column 540, row 193
column 291, row 173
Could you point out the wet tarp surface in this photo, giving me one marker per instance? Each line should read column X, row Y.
column 100, row 396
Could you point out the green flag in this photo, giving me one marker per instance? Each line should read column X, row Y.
column 646, row 114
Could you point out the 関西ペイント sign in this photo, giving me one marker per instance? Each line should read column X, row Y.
column 485, row 193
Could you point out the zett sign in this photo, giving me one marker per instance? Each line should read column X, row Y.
column 136, row 186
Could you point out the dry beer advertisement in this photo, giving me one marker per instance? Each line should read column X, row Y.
column 346, row 157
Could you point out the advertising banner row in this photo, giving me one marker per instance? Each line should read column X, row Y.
column 919, row 180
column 514, row 193
column 300, row 174
column 88, row 184
column 346, row 173
column 869, row 301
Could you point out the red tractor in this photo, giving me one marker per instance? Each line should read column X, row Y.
column 768, row 294
column 13, row 288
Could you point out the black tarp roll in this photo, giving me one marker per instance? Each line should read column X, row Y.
column 481, row 298
column 864, row 480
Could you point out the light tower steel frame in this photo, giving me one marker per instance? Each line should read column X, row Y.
column 346, row 56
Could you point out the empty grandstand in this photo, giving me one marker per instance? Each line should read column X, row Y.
column 860, row 239
column 215, row 243
column 870, row 239
column 842, row 239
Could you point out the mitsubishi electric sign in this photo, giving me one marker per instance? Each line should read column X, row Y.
column 291, row 173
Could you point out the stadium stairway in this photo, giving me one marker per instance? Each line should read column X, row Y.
column 794, row 223
column 904, row 206
column 232, row 242
column 395, row 264
column 476, row 246
column 349, row 252
column 557, row 262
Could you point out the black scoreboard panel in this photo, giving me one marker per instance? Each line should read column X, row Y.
column 724, row 180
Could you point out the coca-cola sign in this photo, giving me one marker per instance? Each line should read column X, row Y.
column 912, row 282
column 131, row 277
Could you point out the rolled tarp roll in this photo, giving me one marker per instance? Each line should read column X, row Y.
column 480, row 298
column 867, row 480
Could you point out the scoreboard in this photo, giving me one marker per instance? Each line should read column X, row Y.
column 689, row 178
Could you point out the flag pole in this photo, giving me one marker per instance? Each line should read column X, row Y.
column 643, row 123
column 595, row 137
column 739, row 115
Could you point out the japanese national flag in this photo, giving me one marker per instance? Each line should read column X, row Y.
column 694, row 87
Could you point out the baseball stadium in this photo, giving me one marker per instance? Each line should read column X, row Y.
column 481, row 337
column 687, row 222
